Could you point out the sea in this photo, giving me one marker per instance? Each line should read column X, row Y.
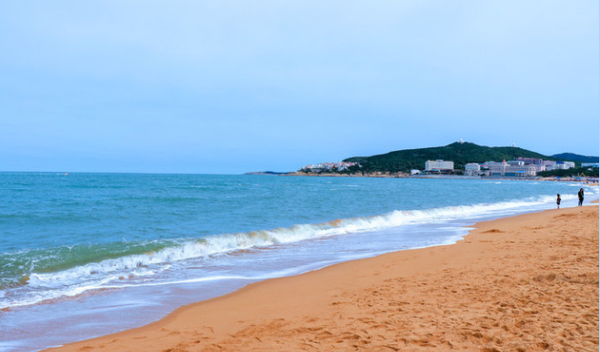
column 88, row 254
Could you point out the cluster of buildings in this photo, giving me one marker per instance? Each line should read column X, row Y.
column 520, row 167
column 329, row 167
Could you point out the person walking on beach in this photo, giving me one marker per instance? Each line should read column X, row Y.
column 580, row 195
column 558, row 201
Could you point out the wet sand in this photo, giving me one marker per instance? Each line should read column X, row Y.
column 525, row 283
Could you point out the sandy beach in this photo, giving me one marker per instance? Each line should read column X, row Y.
column 525, row 283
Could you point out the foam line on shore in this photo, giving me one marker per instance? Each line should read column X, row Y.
column 104, row 274
column 475, row 282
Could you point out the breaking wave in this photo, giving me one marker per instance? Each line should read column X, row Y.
column 40, row 285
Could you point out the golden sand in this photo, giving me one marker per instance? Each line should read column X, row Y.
column 525, row 283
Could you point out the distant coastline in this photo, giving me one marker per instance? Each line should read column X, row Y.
column 357, row 174
column 405, row 175
column 267, row 173
column 459, row 160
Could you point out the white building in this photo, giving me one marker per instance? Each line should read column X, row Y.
column 539, row 167
column 505, row 169
column 561, row 165
column 439, row 165
column 489, row 164
column 472, row 169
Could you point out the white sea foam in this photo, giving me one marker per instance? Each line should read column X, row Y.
column 119, row 272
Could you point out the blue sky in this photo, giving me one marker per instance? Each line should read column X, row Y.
column 235, row 86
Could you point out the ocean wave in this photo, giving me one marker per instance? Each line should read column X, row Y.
column 146, row 261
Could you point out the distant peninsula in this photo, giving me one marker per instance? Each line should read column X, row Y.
column 269, row 173
column 462, row 154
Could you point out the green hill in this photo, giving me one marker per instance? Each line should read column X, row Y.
column 459, row 153
column 576, row 157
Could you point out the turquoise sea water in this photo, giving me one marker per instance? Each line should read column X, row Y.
column 78, row 250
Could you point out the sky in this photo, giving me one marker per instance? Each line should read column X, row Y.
column 227, row 87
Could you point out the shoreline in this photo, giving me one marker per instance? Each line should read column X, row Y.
column 592, row 181
column 509, row 284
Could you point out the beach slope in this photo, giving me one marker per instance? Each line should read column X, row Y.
column 525, row 283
